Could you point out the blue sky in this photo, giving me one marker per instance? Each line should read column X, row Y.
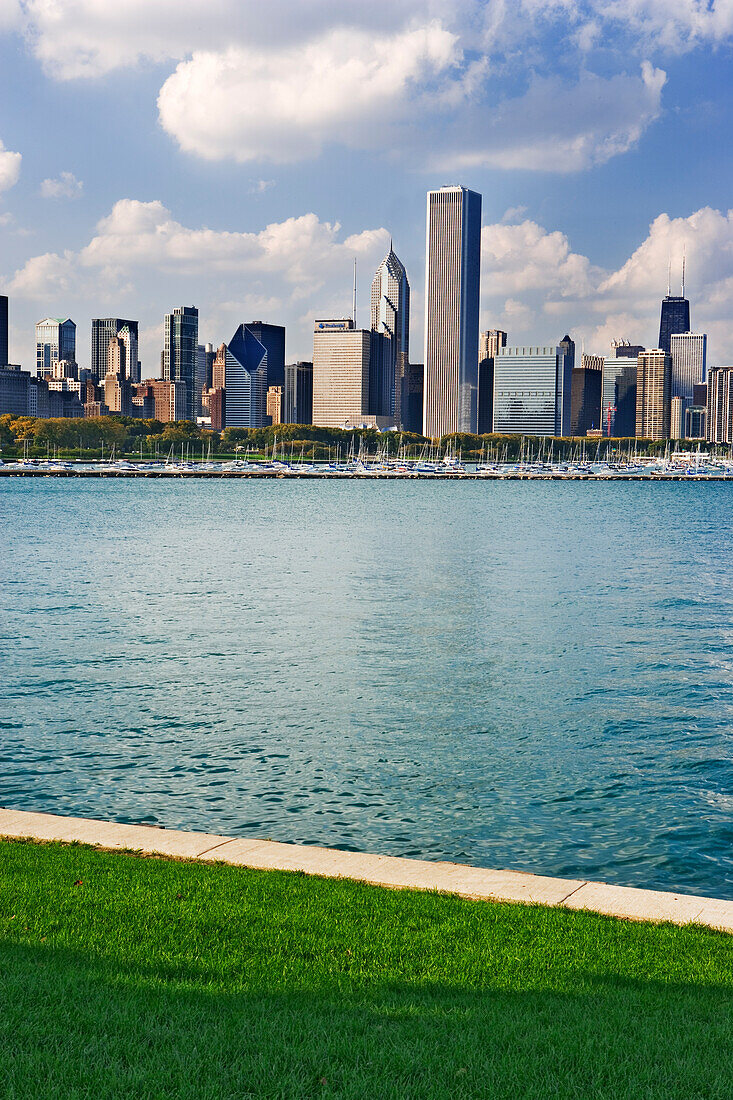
column 237, row 156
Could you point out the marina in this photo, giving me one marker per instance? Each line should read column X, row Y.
column 672, row 468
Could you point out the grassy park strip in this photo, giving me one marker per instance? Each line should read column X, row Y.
column 127, row 976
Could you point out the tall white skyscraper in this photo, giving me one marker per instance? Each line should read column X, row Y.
column 689, row 362
column 452, row 276
column 391, row 322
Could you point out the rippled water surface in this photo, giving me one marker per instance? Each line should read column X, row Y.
column 524, row 675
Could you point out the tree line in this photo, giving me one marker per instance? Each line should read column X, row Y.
column 131, row 436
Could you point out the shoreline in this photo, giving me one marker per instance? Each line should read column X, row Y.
column 333, row 475
column 463, row 880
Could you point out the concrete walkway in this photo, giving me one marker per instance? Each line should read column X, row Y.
column 416, row 874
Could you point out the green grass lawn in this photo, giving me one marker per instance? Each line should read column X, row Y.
column 122, row 976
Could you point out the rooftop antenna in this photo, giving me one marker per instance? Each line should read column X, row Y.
column 354, row 304
column 684, row 249
column 669, row 278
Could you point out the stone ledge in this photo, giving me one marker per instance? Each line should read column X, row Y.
column 392, row 871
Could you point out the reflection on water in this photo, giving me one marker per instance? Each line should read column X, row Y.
column 526, row 675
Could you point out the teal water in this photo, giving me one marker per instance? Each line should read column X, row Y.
column 526, row 675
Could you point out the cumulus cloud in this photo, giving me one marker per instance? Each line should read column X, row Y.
column 65, row 186
column 347, row 86
column 301, row 266
column 9, row 167
column 303, row 251
column 429, row 84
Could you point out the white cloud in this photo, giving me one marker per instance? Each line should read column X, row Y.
column 9, row 167
column 677, row 27
column 90, row 38
column 561, row 128
column 66, row 186
column 346, row 87
column 11, row 15
column 258, row 187
column 425, row 85
column 298, row 267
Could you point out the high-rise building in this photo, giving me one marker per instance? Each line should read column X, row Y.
column 695, row 418
column 14, row 391
column 341, row 360
column 676, row 418
column 585, row 412
column 272, row 338
column 55, row 339
column 179, row 353
column 412, row 398
column 653, row 393
column 103, row 329
column 452, row 275
column 390, row 354
column 298, row 394
column 675, row 318
column 199, row 381
column 689, row 364
column 240, row 369
column 4, row 353
column 719, row 413
column 489, row 343
column 531, row 390
column 274, row 404
column 117, row 387
column 612, row 368
column 169, row 398
column 624, row 424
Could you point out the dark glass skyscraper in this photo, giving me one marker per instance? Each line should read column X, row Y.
column 298, row 394
column 3, row 330
column 272, row 338
column 675, row 318
column 179, row 354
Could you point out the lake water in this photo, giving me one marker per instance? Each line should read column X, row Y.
column 525, row 675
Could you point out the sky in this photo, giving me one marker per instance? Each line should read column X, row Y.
column 237, row 156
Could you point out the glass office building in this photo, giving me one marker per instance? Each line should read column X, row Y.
column 532, row 390
column 179, row 353
column 103, row 329
column 55, row 341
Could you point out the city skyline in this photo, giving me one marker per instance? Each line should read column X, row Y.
column 260, row 219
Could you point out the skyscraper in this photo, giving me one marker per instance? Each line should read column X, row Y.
column 298, row 394
column 103, row 329
column 179, row 353
column 530, row 387
column 245, row 380
column 3, row 331
column 675, row 315
column 452, row 275
column 55, row 340
column 488, row 348
column 390, row 317
column 624, row 422
column 272, row 338
column 341, row 360
column 613, row 366
column 653, row 378
column 719, row 418
column 586, row 395
column 689, row 363
column 412, row 398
